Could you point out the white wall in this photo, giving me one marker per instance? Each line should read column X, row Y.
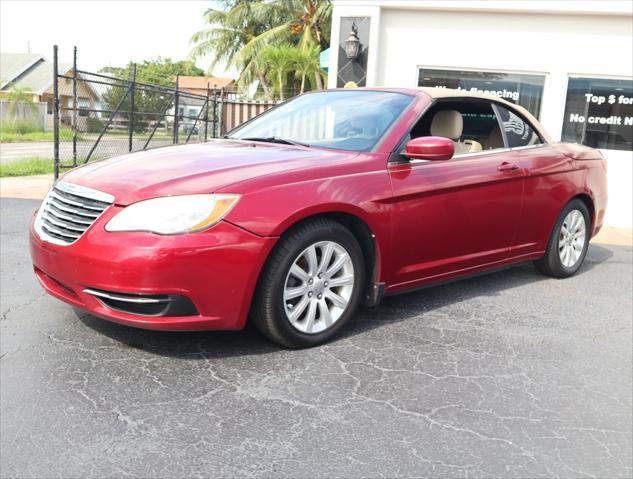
column 553, row 44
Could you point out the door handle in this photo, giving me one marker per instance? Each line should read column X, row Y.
column 505, row 166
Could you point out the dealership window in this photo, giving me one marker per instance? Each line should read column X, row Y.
column 522, row 89
column 599, row 113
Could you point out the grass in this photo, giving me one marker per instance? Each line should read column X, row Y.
column 66, row 135
column 27, row 167
column 9, row 135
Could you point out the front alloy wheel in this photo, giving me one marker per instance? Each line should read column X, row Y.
column 318, row 287
column 311, row 284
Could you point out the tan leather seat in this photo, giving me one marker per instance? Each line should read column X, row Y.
column 450, row 124
column 494, row 139
column 447, row 123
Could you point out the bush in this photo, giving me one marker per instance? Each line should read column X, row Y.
column 94, row 125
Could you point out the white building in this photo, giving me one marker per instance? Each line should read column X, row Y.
column 569, row 62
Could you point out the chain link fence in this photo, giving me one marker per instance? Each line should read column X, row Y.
column 98, row 116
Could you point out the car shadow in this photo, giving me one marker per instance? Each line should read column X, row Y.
column 393, row 309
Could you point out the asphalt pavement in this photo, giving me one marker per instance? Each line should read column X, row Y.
column 507, row 375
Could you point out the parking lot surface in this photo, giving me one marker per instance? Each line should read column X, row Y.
column 508, row 375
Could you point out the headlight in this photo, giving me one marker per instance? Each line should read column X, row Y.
column 173, row 214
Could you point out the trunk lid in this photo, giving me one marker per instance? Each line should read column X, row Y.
column 578, row 152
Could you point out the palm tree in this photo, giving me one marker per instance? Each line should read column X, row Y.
column 230, row 30
column 312, row 21
column 280, row 61
column 306, row 62
column 238, row 35
column 305, row 22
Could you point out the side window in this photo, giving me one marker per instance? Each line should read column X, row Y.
column 518, row 131
column 471, row 124
column 482, row 128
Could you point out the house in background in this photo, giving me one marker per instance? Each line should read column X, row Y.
column 189, row 107
column 33, row 73
column 199, row 85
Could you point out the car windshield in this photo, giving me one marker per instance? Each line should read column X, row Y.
column 353, row 120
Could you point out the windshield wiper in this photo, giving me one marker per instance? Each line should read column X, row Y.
column 276, row 139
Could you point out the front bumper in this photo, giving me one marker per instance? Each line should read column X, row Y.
column 216, row 269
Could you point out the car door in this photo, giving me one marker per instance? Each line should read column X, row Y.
column 455, row 216
column 545, row 172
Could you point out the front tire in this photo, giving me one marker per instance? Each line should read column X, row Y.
column 311, row 285
column 567, row 247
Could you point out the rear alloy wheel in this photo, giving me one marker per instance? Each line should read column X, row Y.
column 568, row 244
column 311, row 285
column 572, row 238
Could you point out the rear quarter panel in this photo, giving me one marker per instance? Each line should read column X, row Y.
column 552, row 180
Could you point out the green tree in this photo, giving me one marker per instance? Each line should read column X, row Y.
column 230, row 29
column 305, row 23
column 162, row 71
column 150, row 103
column 307, row 63
column 311, row 21
column 280, row 62
column 238, row 34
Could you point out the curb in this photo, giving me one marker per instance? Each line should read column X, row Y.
column 25, row 187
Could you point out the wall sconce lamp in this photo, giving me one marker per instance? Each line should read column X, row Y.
column 352, row 44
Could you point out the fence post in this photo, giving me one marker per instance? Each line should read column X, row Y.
column 215, row 110
column 131, row 118
column 74, row 106
column 55, row 115
column 176, row 101
column 206, row 116
column 221, row 111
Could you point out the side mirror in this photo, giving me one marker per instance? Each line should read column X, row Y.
column 431, row 148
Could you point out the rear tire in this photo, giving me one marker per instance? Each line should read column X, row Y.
column 311, row 285
column 567, row 247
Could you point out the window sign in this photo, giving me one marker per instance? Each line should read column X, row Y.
column 599, row 113
column 518, row 131
column 521, row 89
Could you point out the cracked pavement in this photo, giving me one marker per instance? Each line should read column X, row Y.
column 507, row 375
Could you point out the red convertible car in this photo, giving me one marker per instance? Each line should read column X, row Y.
column 330, row 200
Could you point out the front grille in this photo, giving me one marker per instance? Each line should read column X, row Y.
column 68, row 211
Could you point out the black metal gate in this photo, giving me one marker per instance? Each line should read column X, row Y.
column 97, row 116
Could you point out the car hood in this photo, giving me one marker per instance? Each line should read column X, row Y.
column 193, row 169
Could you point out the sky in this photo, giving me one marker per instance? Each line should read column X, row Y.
column 106, row 33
